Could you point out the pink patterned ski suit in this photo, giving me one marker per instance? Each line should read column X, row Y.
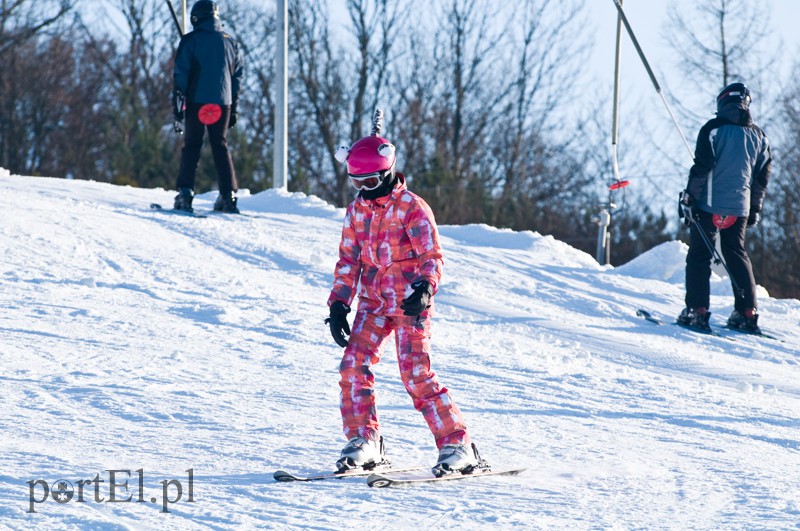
column 387, row 244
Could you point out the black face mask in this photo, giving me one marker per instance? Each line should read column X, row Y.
column 384, row 189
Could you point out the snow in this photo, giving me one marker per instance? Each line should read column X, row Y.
column 136, row 340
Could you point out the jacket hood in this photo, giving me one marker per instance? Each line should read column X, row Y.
column 736, row 112
column 209, row 24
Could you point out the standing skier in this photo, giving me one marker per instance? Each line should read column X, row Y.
column 726, row 189
column 208, row 74
column 390, row 246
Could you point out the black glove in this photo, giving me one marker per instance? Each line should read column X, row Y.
column 420, row 300
column 234, row 115
column 753, row 218
column 685, row 203
column 338, row 322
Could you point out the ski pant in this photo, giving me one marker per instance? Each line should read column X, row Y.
column 193, row 143
column 412, row 339
column 698, row 263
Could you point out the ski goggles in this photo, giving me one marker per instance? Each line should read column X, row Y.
column 367, row 181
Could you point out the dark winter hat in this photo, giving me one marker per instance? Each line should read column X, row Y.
column 736, row 93
column 204, row 10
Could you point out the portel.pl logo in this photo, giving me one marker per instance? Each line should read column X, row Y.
column 117, row 488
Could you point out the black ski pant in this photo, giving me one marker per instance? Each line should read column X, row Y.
column 698, row 263
column 193, row 143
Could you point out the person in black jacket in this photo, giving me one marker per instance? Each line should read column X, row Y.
column 207, row 75
column 724, row 195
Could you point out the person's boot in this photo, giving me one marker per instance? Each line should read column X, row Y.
column 696, row 318
column 226, row 204
column 454, row 458
column 360, row 452
column 745, row 321
column 183, row 201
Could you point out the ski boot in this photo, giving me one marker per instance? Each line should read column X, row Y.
column 746, row 321
column 183, row 201
column 226, row 204
column 458, row 458
column 696, row 318
column 361, row 453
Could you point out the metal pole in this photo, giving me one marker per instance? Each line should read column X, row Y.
column 603, row 220
column 185, row 16
column 615, row 118
column 280, row 168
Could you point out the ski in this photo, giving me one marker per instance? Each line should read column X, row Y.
column 391, row 481
column 757, row 334
column 285, row 477
column 652, row 319
column 159, row 208
column 702, row 331
column 195, row 214
column 649, row 317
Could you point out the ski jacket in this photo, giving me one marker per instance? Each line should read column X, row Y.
column 387, row 243
column 208, row 65
column 732, row 165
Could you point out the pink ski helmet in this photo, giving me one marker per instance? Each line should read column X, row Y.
column 370, row 154
column 370, row 159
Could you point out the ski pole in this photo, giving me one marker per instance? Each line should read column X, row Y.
column 689, row 213
column 176, row 125
column 175, row 17
column 618, row 3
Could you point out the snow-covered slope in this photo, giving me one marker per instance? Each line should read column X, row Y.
column 152, row 344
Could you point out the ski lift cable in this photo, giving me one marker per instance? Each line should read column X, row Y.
column 618, row 4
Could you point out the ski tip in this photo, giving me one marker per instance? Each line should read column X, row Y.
column 156, row 206
column 647, row 316
column 378, row 481
column 283, row 476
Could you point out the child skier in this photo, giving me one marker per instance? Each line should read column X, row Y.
column 390, row 245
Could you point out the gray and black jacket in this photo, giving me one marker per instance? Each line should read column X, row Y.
column 732, row 164
column 208, row 65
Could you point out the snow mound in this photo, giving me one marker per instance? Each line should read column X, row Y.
column 283, row 202
column 663, row 262
column 543, row 249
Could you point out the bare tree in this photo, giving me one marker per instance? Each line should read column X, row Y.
column 778, row 247
column 24, row 110
column 251, row 141
column 447, row 97
column 721, row 41
column 335, row 84
column 545, row 41
column 21, row 20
